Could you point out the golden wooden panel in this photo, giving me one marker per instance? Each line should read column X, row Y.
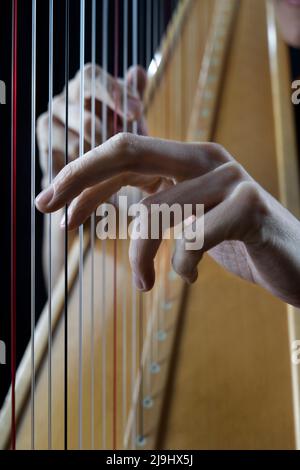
column 232, row 384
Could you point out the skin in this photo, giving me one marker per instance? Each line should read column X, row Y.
column 112, row 96
column 247, row 231
column 288, row 15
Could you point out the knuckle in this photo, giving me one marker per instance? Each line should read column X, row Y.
column 58, row 106
column 249, row 191
column 235, row 169
column 147, row 202
column 256, row 207
column 211, row 154
column 42, row 124
column 56, row 102
column 124, row 146
column 218, row 152
column 88, row 69
column 216, row 147
column 64, row 176
column 121, row 140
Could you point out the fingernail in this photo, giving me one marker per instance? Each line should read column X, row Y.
column 192, row 277
column 44, row 198
column 138, row 282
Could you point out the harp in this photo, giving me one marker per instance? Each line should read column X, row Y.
column 204, row 367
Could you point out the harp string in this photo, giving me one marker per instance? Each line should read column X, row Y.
column 67, row 50
column 141, row 340
column 161, row 305
column 124, row 244
column 133, row 357
column 155, row 25
column 115, row 410
column 139, row 50
column 105, row 15
column 157, row 304
column 134, row 291
column 50, row 169
column 149, row 10
column 33, row 235
column 148, row 31
column 156, row 311
column 92, row 226
column 81, row 229
column 14, row 217
column 161, row 19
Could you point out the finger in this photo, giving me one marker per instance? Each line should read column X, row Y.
column 74, row 125
column 209, row 190
column 137, row 76
column 87, row 202
column 230, row 220
column 142, row 127
column 84, row 205
column 185, row 263
column 58, row 144
column 107, row 90
column 129, row 153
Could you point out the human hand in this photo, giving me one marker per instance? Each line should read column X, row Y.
column 109, row 92
column 246, row 230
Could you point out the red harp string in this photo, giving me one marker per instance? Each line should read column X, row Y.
column 14, row 219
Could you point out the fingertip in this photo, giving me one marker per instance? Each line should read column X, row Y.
column 72, row 223
column 144, row 282
column 192, row 277
column 138, row 282
column 65, row 222
column 43, row 200
column 148, row 286
column 138, row 73
column 187, row 275
column 188, row 279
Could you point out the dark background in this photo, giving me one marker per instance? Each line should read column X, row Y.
column 161, row 12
